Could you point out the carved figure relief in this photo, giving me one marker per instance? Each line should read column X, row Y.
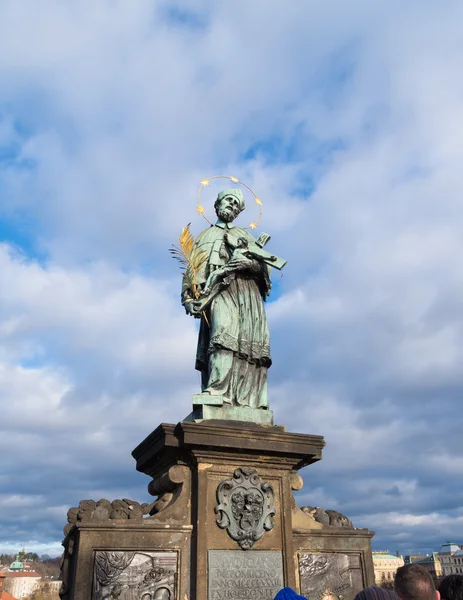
column 245, row 507
column 123, row 575
column 329, row 575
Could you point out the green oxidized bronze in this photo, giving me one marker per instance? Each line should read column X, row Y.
column 226, row 281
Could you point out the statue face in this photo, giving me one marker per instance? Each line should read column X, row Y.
column 228, row 208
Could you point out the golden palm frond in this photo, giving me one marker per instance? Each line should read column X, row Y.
column 190, row 259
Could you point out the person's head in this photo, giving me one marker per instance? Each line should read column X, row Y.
column 451, row 587
column 375, row 592
column 229, row 204
column 413, row 582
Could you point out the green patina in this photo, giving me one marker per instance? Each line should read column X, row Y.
column 17, row 565
column 233, row 353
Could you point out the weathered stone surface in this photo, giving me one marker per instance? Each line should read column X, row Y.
column 132, row 575
column 187, row 464
column 330, row 575
column 242, row 575
column 328, row 518
column 169, row 444
column 245, row 507
column 214, row 450
column 172, row 486
column 90, row 510
column 125, row 538
column 331, row 542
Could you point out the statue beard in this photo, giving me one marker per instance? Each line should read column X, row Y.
column 227, row 215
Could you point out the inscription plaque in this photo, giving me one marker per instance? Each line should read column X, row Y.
column 330, row 576
column 234, row 574
column 132, row 575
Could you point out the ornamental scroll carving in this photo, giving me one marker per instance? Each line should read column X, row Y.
column 245, row 507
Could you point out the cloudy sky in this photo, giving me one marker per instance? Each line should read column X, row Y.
column 346, row 118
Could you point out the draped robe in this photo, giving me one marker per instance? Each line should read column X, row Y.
column 233, row 351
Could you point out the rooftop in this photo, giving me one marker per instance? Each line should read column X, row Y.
column 22, row 574
column 449, row 548
column 427, row 559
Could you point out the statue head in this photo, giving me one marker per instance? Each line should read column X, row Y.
column 229, row 204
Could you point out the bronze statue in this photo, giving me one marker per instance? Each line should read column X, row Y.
column 225, row 285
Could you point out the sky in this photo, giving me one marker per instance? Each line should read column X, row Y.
column 345, row 118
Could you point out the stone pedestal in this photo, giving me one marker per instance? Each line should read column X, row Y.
column 225, row 524
column 213, row 451
column 210, row 407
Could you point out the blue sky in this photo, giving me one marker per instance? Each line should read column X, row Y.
column 344, row 118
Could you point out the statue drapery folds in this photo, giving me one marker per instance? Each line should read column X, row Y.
column 230, row 282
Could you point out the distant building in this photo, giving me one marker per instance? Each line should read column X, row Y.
column 19, row 581
column 4, row 595
column 16, row 565
column 451, row 558
column 413, row 558
column 21, row 584
column 386, row 566
column 457, row 560
column 433, row 565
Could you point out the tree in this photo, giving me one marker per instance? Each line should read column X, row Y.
column 30, row 556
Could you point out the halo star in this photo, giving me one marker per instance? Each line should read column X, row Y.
column 207, row 182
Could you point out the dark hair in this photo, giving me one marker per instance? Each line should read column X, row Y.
column 376, row 593
column 451, row 587
column 413, row 582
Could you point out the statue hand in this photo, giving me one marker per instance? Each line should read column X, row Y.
column 242, row 263
column 193, row 308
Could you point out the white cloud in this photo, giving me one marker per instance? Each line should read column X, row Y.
column 344, row 118
column 51, row 548
column 79, row 316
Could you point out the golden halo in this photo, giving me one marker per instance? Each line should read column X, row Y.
column 207, row 182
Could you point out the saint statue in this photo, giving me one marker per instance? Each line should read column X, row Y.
column 230, row 288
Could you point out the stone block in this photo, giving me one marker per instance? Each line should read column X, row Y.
column 226, row 412
column 224, row 493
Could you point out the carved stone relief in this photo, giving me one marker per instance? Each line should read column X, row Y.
column 65, row 567
column 168, row 486
column 330, row 576
column 89, row 510
column 245, row 507
column 254, row 574
column 328, row 518
column 123, row 575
